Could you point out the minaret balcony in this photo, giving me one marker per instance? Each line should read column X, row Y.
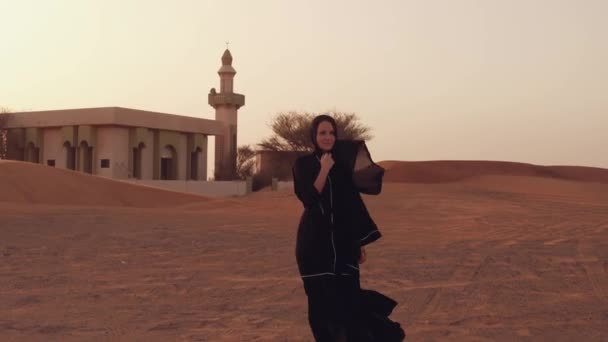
column 226, row 99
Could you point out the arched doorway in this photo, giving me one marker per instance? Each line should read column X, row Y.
column 32, row 153
column 168, row 163
column 194, row 164
column 70, row 156
column 86, row 157
column 137, row 156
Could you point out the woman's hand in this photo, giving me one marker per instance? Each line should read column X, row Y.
column 327, row 161
column 363, row 256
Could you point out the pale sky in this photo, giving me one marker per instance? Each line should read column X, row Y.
column 515, row 80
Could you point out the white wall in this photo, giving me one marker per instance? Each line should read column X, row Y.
column 285, row 185
column 210, row 189
column 53, row 147
column 113, row 144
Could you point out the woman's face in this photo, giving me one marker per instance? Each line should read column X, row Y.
column 326, row 137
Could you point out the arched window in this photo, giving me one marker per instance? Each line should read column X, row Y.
column 86, row 157
column 194, row 164
column 168, row 163
column 69, row 152
column 137, row 156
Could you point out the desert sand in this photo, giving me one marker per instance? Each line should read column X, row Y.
column 472, row 251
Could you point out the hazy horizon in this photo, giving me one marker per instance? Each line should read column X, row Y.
column 515, row 81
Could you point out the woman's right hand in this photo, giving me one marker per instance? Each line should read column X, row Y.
column 327, row 161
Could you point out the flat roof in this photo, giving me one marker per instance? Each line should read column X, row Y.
column 115, row 116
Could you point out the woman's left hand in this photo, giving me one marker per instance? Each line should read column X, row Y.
column 363, row 256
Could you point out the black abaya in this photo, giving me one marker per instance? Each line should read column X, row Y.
column 334, row 226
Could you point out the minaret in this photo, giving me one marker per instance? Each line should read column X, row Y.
column 226, row 104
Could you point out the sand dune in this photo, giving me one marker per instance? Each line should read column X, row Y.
column 38, row 184
column 486, row 258
column 454, row 170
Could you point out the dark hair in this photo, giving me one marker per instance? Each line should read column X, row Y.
column 314, row 126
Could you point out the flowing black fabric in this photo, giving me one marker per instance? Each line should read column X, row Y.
column 366, row 175
column 334, row 226
column 337, row 306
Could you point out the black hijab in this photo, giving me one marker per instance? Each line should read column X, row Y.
column 314, row 127
column 352, row 156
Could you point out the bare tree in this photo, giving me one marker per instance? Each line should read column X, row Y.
column 291, row 130
column 245, row 161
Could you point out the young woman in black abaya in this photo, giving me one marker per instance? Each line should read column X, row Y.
column 334, row 229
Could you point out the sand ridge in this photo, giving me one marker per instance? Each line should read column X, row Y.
column 439, row 171
column 23, row 182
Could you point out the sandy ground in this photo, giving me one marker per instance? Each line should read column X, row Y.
column 490, row 258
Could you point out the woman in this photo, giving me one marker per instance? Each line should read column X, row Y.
column 334, row 228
